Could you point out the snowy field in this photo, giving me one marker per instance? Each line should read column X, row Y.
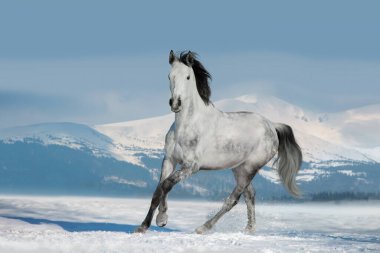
column 68, row 224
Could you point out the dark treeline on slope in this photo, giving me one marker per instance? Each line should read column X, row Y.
column 326, row 196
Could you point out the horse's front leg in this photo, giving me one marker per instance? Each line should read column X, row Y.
column 162, row 189
column 167, row 169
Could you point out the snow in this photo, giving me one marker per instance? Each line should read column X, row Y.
column 73, row 224
column 305, row 175
column 351, row 173
column 145, row 134
column 116, row 179
column 270, row 174
column 317, row 150
column 75, row 136
column 308, row 175
column 196, row 189
column 131, row 138
column 357, row 127
column 72, row 135
column 373, row 153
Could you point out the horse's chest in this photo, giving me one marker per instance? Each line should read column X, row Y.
column 185, row 147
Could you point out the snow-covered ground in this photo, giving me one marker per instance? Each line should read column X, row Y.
column 70, row 224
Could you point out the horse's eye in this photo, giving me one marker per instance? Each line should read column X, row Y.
column 169, row 77
column 188, row 77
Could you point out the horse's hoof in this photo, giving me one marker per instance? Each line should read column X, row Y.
column 202, row 229
column 161, row 219
column 141, row 229
column 249, row 229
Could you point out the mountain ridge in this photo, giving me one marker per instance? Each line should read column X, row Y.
column 135, row 148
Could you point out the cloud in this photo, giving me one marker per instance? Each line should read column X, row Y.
column 319, row 84
column 19, row 108
column 360, row 134
column 20, row 99
column 104, row 90
column 82, row 90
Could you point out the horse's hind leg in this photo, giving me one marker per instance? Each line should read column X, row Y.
column 249, row 195
column 243, row 177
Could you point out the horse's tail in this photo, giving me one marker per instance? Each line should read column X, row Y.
column 289, row 158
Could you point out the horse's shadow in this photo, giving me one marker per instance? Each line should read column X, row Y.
column 71, row 226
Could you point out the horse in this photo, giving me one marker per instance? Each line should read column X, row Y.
column 205, row 138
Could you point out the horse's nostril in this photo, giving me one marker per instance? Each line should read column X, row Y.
column 171, row 102
column 179, row 102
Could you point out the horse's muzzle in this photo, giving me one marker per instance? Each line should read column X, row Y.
column 175, row 104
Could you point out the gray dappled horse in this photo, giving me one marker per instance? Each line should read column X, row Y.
column 204, row 138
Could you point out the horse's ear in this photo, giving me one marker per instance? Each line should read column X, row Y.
column 172, row 57
column 190, row 59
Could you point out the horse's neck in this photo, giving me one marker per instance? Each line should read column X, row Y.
column 192, row 113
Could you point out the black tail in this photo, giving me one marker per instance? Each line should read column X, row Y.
column 289, row 158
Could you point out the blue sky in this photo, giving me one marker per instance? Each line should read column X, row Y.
column 105, row 61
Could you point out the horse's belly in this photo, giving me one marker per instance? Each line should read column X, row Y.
column 217, row 160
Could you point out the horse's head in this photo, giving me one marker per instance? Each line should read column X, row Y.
column 188, row 78
column 182, row 80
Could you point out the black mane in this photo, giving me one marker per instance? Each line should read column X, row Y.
column 202, row 76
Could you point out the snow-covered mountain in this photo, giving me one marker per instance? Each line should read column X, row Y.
column 75, row 136
column 333, row 147
column 319, row 140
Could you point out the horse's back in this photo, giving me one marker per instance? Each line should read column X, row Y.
column 249, row 124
